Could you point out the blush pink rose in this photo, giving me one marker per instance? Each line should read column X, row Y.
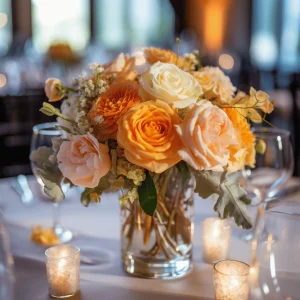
column 83, row 160
column 206, row 134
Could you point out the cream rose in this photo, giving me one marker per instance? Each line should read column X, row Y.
column 53, row 89
column 83, row 160
column 207, row 133
column 170, row 84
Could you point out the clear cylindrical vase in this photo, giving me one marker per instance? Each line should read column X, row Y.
column 160, row 246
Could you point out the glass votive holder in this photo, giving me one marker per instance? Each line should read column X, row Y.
column 63, row 270
column 231, row 280
column 216, row 234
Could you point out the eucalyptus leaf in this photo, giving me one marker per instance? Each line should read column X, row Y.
column 232, row 200
column 49, row 173
column 148, row 195
column 53, row 189
column 207, row 183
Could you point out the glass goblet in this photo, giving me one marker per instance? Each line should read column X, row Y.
column 275, row 263
column 42, row 136
column 272, row 168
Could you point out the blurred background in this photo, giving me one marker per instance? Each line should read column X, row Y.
column 255, row 42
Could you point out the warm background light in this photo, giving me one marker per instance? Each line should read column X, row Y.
column 3, row 19
column 209, row 18
column 2, row 80
column 226, row 61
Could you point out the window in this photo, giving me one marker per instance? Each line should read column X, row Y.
column 264, row 41
column 66, row 21
column 123, row 24
column 5, row 26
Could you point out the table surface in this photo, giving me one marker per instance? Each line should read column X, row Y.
column 97, row 231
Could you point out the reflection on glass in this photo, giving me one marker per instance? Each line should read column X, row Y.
column 5, row 26
column 51, row 23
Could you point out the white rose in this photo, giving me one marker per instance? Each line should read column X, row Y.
column 170, row 84
column 53, row 89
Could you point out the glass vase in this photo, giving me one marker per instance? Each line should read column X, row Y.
column 160, row 246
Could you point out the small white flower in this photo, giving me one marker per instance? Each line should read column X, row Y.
column 99, row 120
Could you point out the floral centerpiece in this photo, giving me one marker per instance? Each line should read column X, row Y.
column 158, row 133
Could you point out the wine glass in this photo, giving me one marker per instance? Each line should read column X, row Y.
column 6, row 264
column 275, row 263
column 272, row 168
column 42, row 136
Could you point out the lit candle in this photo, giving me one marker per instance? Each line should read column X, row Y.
column 63, row 270
column 216, row 235
column 231, row 280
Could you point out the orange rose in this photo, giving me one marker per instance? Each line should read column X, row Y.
column 148, row 136
column 243, row 153
column 123, row 67
column 154, row 55
column 111, row 106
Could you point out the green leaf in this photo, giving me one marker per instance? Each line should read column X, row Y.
column 232, row 201
column 207, row 183
column 147, row 195
column 184, row 172
column 52, row 189
column 46, row 112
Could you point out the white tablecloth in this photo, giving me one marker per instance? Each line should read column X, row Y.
column 97, row 229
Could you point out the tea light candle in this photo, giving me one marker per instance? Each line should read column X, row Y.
column 216, row 235
column 63, row 270
column 231, row 280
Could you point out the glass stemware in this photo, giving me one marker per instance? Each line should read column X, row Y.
column 6, row 264
column 275, row 264
column 42, row 136
column 272, row 168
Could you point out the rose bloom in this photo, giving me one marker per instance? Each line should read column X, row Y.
column 123, row 66
column 170, row 84
column 83, row 160
column 153, row 55
column 243, row 153
column 215, row 84
column 111, row 106
column 207, row 134
column 147, row 135
column 52, row 89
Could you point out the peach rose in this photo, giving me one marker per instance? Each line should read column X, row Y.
column 123, row 66
column 83, row 160
column 111, row 106
column 53, row 89
column 207, row 134
column 215, row 84
column 153, row 55
column 170, row 84
column 147, row 135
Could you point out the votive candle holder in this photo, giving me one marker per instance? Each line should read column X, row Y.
column 63, row 270
column 216, row 234
column 231, row 280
